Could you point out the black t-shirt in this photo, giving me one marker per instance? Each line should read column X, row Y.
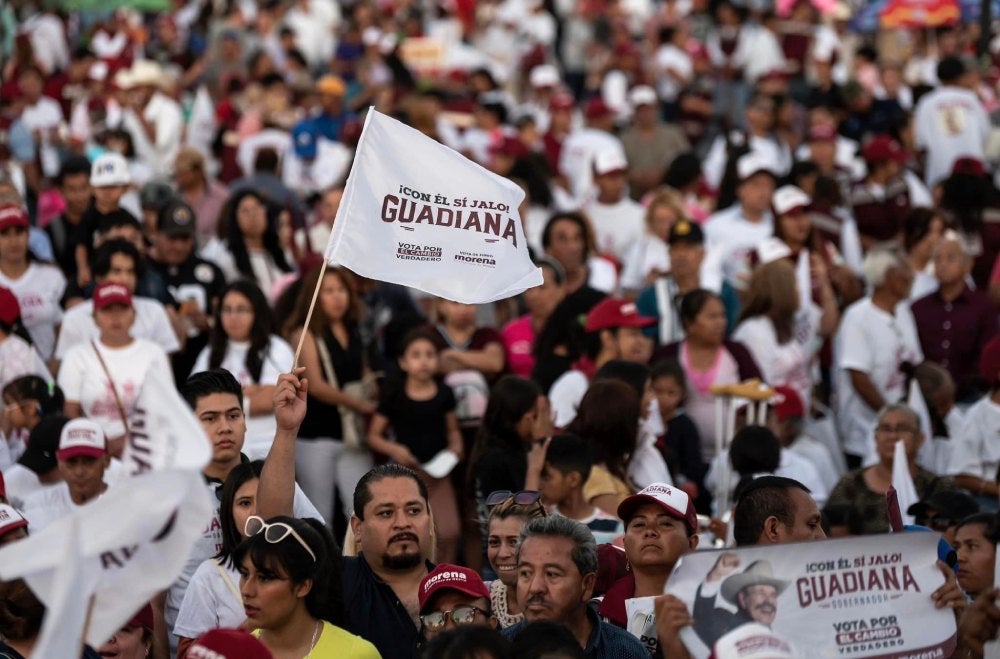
column 419, row 424
column 65, row 236
column 323, row 419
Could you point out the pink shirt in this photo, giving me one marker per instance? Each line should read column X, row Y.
column 519, row 344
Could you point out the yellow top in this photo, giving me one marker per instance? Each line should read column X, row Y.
column 337, row 643
column 602, row 482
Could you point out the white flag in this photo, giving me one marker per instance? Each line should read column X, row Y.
column 201, row 124
column 135, row 541
column 163, row 431
column 906, row 492
column 420, row 214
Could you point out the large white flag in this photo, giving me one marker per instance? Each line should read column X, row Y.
column 163, row 431
column 134, row 542
column 418, row 213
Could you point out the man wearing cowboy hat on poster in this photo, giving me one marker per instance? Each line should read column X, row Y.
column 154, row 120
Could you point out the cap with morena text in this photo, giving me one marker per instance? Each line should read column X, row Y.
column 674, row 501
column 451, row 577
column 81, row 437
column 110, row 293
column 13, row 215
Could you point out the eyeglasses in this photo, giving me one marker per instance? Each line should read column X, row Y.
column 274, row 533
column 899, row 430
column 464, row 614
column 522, row 498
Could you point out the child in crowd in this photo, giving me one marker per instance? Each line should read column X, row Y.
column 680, row 443
column 568, row 461
column 420, row 411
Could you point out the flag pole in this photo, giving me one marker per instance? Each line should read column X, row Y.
column 86, row 621
column 312, row 305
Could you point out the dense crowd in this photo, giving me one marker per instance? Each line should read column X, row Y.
column 724, row 199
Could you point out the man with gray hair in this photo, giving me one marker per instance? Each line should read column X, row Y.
column 876, row 339
column 556, row 570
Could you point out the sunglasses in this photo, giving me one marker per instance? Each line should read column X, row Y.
column 464, row 614
column 522, row 498
column 274, row 533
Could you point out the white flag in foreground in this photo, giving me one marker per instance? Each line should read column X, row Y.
column 163, row 431
column 906, row 491
column 420, row 214
column 133, row 543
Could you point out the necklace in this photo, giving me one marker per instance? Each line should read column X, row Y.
column 312, row 643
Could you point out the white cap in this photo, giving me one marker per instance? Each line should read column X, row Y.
column 753, row 641
column 81, row 437
column 544, row 75
column 787, row 198
column 371, row 36
column 610, row 160
column 10, row 519
column 642, row 95
column 146, row 72
column 109, row 169
column 770, row 249
column 753, row 163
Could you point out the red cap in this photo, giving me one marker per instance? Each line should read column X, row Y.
column 969, row 166
column 673, row 500
column 822, row 133
column 508, row 145
column 228, row 644
column 110, row 293
column 10, row 308
column 13, row 215
column 989, row 362
column 562, row 102
column 451, row 577
column 143, row 618
column 787, row 404
column 882, row 148
column 597, row 108
column 612, row 312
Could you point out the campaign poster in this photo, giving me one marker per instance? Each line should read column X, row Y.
column 851, row 597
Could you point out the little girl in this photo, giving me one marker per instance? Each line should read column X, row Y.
column 680, row 443
column 421, row 412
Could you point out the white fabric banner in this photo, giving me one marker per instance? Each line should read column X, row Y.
column 866, row 596
column 137, row 537
column 906, row 491
column 420, row 214
column 163, row 431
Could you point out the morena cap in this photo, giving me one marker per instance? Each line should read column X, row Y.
column 673, row 500
column 451, row 577
column 81, row 437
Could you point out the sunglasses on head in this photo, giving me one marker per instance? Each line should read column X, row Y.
column 464, row 614
column 274, row 533
column 522, row 498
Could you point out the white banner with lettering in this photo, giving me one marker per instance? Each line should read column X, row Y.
column 853, row 597
column 420, row 214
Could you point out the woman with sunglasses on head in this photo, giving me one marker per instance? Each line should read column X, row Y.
column 290, row 581
column 212, row 599
column 509, row 511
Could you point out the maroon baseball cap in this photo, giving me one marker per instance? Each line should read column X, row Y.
column 10, row 308
column 673, row 500
column 597, row 108
column 13, row 215
column 882, row 148
column 562, row 102
column 143, row 618
column 787, row 404
column 612, row 312
column 969, row 166
column 451, row 577
column 228, row 644
column 110, row 293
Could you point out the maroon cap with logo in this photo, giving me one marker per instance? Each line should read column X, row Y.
column 612, row 312
column 451, row 577
column 109, row 293
column 13, row 215
column 882, row 148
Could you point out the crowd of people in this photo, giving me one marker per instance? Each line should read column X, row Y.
column 717, row 194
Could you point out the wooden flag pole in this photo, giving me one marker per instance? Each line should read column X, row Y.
column 309, row 314
column 86, row 622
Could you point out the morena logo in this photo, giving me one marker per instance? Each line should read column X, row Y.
column 444, row 576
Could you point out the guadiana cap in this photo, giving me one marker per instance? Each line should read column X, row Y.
column 673, row 500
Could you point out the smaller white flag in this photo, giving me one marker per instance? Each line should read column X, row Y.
column 420, row 214
column 201, row 124
column 906, row 492
column 163, row 431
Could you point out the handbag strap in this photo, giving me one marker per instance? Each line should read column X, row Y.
column 326, row 362
column 229, row 582
column 114, row 389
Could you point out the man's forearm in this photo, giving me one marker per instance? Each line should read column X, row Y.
column 276, row 491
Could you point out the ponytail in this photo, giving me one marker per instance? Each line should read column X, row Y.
column 49, row 397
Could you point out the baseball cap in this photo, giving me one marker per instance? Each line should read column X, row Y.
column 331, row 84
column 81, row 437
column 13, row 215
column 882, row 148
column 753, row 163
column 787, row 404
column 674, row 501
column 43, row 442
column 948, row 503
column 304, row 139
column 109, row 169
column 177, row 219
column 685, row 231
column 989, row 361
column 508, row 145
column 143, row 618
column 10, row 519
column 451, row 577
column 642, row 95
column 612, row 312
column 544, row 75
column 788, row 198
column 154, row 195
column 110, row 293
column 562, row 102
column 822, row 133
column 597, row 108
column 610, row 161
column 10, row 308
column 228, row 644
column 969, row 166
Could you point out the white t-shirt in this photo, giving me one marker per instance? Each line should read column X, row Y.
column 210, row 601
column 601, row 275
column 671, row 59
column 616, row 226
column 21, row 483
column 83, row 379
column 166, row 115
column 45, row 115
column 278, row 357
column 576, row 159
column 781, row 364
column 729, row 238
column 795, row 466
column 876, row 343
column 265, row 271
column 976, row 449
column 39, row 291
column 647, row 254
column 819, row 456
column 950, row 122
column 151, row 323
column 776, row 153
column 18, row 358
column 565, row 396
column 50, row 504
